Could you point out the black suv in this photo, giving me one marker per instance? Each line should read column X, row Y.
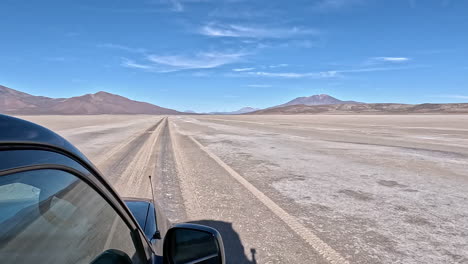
column 55, row 207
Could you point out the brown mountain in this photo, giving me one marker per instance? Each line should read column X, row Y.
column 367, row 109
column 318, row 99
column 16, row 102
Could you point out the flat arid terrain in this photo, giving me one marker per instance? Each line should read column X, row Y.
column 295, row 189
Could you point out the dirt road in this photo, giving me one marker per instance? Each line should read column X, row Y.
column 296, row 189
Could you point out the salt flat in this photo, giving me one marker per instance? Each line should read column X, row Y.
column 373, row 189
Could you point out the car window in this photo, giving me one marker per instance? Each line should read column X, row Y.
column 51, row 216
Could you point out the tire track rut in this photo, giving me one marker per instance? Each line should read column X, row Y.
column 126, row 165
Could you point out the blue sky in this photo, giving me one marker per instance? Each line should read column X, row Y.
column 220, row 55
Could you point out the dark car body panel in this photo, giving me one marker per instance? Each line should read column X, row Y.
column 145, row 213
column 141, row 211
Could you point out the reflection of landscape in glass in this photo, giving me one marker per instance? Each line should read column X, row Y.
column 70, row 224
column 18, row 192
column 16, row 196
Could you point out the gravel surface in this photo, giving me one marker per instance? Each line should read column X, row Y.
column 296, row 189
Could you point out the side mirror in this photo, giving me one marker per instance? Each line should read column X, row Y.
column 112, row 256
column 191, row 243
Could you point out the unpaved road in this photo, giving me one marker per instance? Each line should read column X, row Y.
column 296, row 189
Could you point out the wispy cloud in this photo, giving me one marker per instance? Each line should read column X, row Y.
column 131, row 64
column 324, row 74
column 170, row 63
column 377, row 69
column 247, row 12
column 328, row 5
column 319, row 75
column 318, row 41
column 202, row 60
column 376, row 61
column 121, row 47
column 259, row 85
column 176, row 6
column 391, row 59
column 278, row 65
column 243, row 69
column 242, row 31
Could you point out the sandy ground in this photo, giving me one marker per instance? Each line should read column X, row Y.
column 296, row 189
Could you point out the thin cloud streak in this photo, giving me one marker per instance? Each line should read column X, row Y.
column 279, row 65
column 131, row 64
column 243, row 69
column 377, row 69
column 391, row 59
column 319, row 75
column 328, row 5
column 204, row 60
column 241, row 31
column 121, row 47
column 325, row 74
column 171, row 63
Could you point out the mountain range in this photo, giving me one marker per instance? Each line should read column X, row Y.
column 382, row 108
column 319, row 99
column 16, row 102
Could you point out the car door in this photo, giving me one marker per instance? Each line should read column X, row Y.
column 55, row 211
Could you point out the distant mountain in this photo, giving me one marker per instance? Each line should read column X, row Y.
column 190, row 112
column 243, row 110
column 16, row 102
column 366, row 109
column 319, row 99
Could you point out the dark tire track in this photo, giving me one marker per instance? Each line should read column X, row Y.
column 165, row 178
column 113, row 167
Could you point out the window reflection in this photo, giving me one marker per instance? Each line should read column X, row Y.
column 50, row 216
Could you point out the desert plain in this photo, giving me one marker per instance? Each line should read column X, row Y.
column 295, row 188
